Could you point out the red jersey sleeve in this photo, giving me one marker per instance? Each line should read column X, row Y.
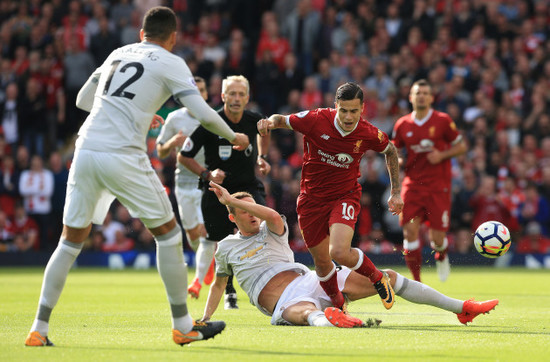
column 303, row 121
column 451, row 133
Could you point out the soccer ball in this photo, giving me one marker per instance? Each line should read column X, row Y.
column 492, row 239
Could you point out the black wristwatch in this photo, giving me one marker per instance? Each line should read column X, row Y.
column 205, row 175
column 263, row 157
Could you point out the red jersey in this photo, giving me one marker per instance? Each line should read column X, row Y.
column 439, row 132
column 331, row 159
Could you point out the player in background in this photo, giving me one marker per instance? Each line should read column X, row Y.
column 235, row 170
column 179, row 125
column 110, row 161
column 263, row 263
column 431, row 140
column 328, row 205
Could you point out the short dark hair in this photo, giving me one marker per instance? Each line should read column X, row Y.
column 159, row 23
column 239, row 196
column 349, row 91
column 198, row 79
column 422, row 83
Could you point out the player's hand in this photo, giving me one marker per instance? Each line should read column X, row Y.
column 264, row 125
column 221, row 193
column 217, row 176
column 265, row 167
column 156, row 122
column 241, row 142
column 395, row 204
column 434, row 157
column 178, row 139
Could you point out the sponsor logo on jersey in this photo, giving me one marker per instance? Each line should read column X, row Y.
column 344, row 158
column 251, row 253
column 192, row 81
column 224, row 151
column 409, row 134
column 341, row 160
column 325, row 136
column 302, row 114
column 425, row 145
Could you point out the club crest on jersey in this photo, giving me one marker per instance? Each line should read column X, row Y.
column 357, row 147
column 344, row 158
column 302, row 114
column 224, row 151
column 432, row 131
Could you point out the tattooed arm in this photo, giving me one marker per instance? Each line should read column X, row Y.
column 395, row 203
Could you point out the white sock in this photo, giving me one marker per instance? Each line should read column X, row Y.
column 173, row 272
column 203, row 258
column 420, row 293
column 55, row 276
column 318, row 319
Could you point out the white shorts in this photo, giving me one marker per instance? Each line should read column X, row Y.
column 306, row 288
column 97, row 178
column 189, row 206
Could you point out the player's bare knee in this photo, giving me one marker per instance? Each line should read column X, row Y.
column 340, row 255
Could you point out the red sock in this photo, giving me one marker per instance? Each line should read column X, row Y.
column 413, row 258
column 330, row 287
column 368, row 269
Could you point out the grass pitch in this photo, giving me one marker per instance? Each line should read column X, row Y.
column 108, row 315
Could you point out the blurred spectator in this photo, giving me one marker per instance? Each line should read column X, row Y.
column 9, row 185
column 103, row 42
column 271, row 41
column 535, row 208
column 9, row 116
column 109, row 229
column 121, row 243
column 25, row 231
column 301, row 28
column 533, row 241
column 32, row 118
column 6, row 233
column 36, row 186
column 487, row 206
column 291, row 77
column 60, row 177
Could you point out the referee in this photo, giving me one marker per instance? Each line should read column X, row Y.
column 233, row 169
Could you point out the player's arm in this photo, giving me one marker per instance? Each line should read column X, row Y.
column 212, row 121
column 395, row 202
column 273, row 122
column 263, row 147
column 177, row 140
column 85, row 96
column 273, row 219
column 457, row 148
column 214, row 296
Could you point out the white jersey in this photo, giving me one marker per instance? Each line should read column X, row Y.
column 132, row 84
column 256, row 259
column 182, row 120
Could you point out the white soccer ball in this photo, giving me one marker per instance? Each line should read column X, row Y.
column 492, row 239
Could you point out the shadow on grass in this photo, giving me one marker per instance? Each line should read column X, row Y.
column 466, row 329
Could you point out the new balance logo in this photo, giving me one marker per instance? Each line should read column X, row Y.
column 325, row 137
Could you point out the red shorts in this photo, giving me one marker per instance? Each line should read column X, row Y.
column 315, row 216
column 434, row 207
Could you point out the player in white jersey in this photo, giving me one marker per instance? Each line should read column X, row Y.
column 263, row 263
column 180, row 124
column 110, row 161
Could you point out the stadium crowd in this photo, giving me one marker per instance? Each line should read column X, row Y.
column 488, row 63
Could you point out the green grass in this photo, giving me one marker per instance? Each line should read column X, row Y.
column 123, row 315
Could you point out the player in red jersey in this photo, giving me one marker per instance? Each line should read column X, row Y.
column 431, row 140
column 328, row 205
